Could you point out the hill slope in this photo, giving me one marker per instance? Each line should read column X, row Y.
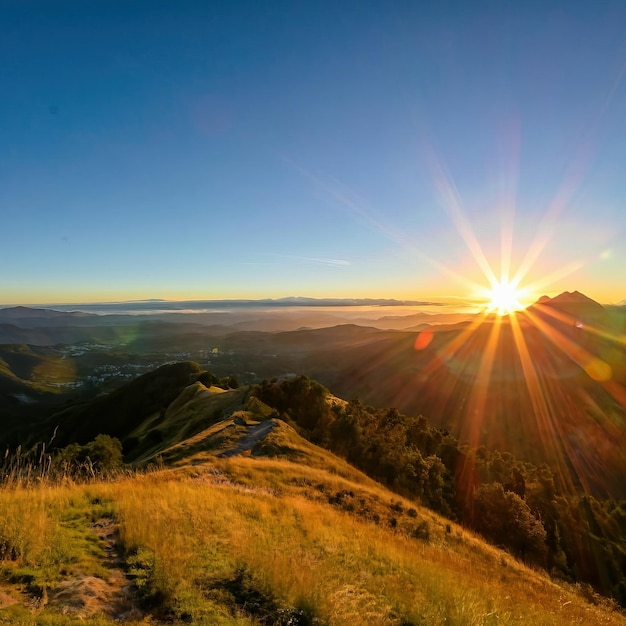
column 226, row 529
column 548, row 385
column 177, row 417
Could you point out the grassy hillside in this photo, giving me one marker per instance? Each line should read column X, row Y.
column 176, row 428
column 176, row 416
column 240, row 520
column 297, row 539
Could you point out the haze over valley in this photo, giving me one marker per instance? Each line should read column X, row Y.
column 481, row 401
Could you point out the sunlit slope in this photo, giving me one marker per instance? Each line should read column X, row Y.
column 38, row 369
column 546, row 385
column 299, row 538
column 327, row 547
column 180, row 428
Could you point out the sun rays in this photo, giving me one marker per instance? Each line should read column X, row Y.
column 521, row 376
column 504, row 298
column 537, row 374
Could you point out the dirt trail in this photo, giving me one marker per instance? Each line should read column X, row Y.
column 86, row 596
column 253, row 436
column 6, row 599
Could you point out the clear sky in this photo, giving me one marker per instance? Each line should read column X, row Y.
column 327, row 149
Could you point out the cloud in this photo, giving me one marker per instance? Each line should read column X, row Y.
column 324, row 261
column 314, row 260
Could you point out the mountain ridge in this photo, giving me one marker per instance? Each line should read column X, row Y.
column 573, row 302
column 224, row 530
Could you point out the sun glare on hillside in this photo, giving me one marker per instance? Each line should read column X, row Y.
column 556, row 349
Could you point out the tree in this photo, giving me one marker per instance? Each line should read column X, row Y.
column 505, row 519
column 105, row 453
column 207, row 378
column 229, row 382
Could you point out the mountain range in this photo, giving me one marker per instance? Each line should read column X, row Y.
column 547, row 384
column 513, row 426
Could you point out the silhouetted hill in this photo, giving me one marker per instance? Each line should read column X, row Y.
column 574, row 304
column 122, row 410
column 10, row 333
column 47, row 319
column 23, row 312
column 302, row 340
column 51, row 327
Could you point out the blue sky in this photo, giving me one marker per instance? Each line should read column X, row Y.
column 327, row 149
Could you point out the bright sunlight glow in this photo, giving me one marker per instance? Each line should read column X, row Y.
column 504, row 297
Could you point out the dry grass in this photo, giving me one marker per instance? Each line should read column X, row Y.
column 245, row 540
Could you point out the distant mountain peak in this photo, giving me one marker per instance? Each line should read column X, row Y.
column 26, row 312
column 572, row 302
column 573, row 296
column 567, row 296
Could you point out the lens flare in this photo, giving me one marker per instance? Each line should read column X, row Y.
column 530, row 375
column 541, row 377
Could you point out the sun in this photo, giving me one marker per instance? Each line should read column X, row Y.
column 504, row 297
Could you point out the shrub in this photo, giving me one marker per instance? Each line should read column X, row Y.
column 422, row 531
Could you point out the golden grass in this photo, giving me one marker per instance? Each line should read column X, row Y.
column 281, row 528
column 346, row 570
column 188, row 415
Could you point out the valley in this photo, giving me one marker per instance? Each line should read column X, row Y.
column 428, row 439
